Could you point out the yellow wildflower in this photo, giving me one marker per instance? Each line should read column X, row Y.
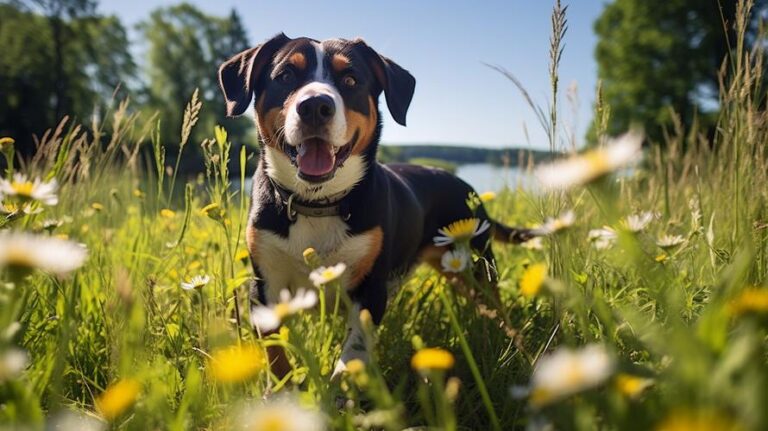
column 118, row 398
column 242, row 255
column 532, row 280
column 432, row 359
column 236, row 363
column 167, row 213
column 632, row 386
column 698, row 421
column 97, row 206
column 487, row 196
column 752, row 300
column 6, row 142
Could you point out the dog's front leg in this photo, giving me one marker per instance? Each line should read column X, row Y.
column 371, row 297
column 355, row 344
column 276, row 357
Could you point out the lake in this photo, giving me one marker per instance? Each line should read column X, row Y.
column 482, row 177
column 485, row 177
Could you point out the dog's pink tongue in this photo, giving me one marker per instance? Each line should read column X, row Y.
column 315, row 157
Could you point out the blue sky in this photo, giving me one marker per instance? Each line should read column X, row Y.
column 443, row 44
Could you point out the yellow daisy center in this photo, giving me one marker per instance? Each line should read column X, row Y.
column 462, row 229
column 328, row 275
column 20, row 259
column 455, row 263
column 574, row 375
column 272, row 423
column 23, row 189
column 282, row 310
column 597, row 162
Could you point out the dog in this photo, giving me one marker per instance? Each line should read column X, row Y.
column 318, row 183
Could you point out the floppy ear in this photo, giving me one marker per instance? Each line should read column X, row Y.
column 398, row 83
column 238, row 75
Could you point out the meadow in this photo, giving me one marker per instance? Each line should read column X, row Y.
column 643, row 305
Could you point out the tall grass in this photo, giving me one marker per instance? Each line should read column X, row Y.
column 684, row 327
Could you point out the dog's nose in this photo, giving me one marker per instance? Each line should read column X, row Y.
column 316, row 110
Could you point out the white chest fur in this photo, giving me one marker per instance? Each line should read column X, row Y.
column 281, row 261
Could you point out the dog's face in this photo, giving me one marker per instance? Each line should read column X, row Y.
column 316, row 103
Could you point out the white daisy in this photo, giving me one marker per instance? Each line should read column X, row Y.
column 602, row 238
column 456, row 260
column 197, row 282
column 267, row 319
column 51, row 224
column 30, row 190
column 460, row 231
column 593, row 164
column 637, row 222
column 326, row 274
column 15, row 209
column 670, row 241
column 12, row 362
column 535, row 243
column 567, row 372
column 20, row 250
column 555, row 224
column 69, row 420
column 283, row 413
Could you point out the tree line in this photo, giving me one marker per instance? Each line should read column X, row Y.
column 61, row 58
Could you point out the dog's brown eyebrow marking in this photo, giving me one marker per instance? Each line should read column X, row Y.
column 339, row 62
column 299, row 60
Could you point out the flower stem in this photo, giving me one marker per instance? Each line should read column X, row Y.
column 495, row 424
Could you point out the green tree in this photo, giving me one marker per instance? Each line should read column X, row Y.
column 659, row 56
column 39, row 84
column 185, row 48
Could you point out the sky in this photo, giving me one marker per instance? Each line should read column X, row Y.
column 458, row 99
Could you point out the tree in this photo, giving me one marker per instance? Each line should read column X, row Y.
column 655, row 56
column 185, row 49
column 41, row 80
column 57, row 11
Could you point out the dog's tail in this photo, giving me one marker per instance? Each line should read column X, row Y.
column 513, row 235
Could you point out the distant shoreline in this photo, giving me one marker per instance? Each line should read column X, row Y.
column 460, row 154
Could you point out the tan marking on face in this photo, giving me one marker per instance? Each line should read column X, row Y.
column 363, row 266
column 339, row 62
column 299, row 60
column 269, row 123
column 251, row 241
column 365, row 124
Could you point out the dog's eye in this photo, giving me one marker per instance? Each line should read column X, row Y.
column 349, row 80
column 285, row 76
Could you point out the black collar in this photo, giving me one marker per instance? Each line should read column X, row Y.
column 329, row 207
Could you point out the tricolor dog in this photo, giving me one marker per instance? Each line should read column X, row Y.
column 318, row 183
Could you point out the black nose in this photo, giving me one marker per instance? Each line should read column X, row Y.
column 316, row 110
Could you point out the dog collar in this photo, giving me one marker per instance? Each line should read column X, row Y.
column 328, row 207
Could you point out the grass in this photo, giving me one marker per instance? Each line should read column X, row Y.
column 684, row 329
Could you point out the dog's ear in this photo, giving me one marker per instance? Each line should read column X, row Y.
column 398, row 84
column 238, row 76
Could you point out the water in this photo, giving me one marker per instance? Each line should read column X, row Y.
column 483, row 177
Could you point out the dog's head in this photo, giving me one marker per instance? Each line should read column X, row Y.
column 316, row 104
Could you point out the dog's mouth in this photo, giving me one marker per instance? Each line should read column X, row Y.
column 317, row 159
